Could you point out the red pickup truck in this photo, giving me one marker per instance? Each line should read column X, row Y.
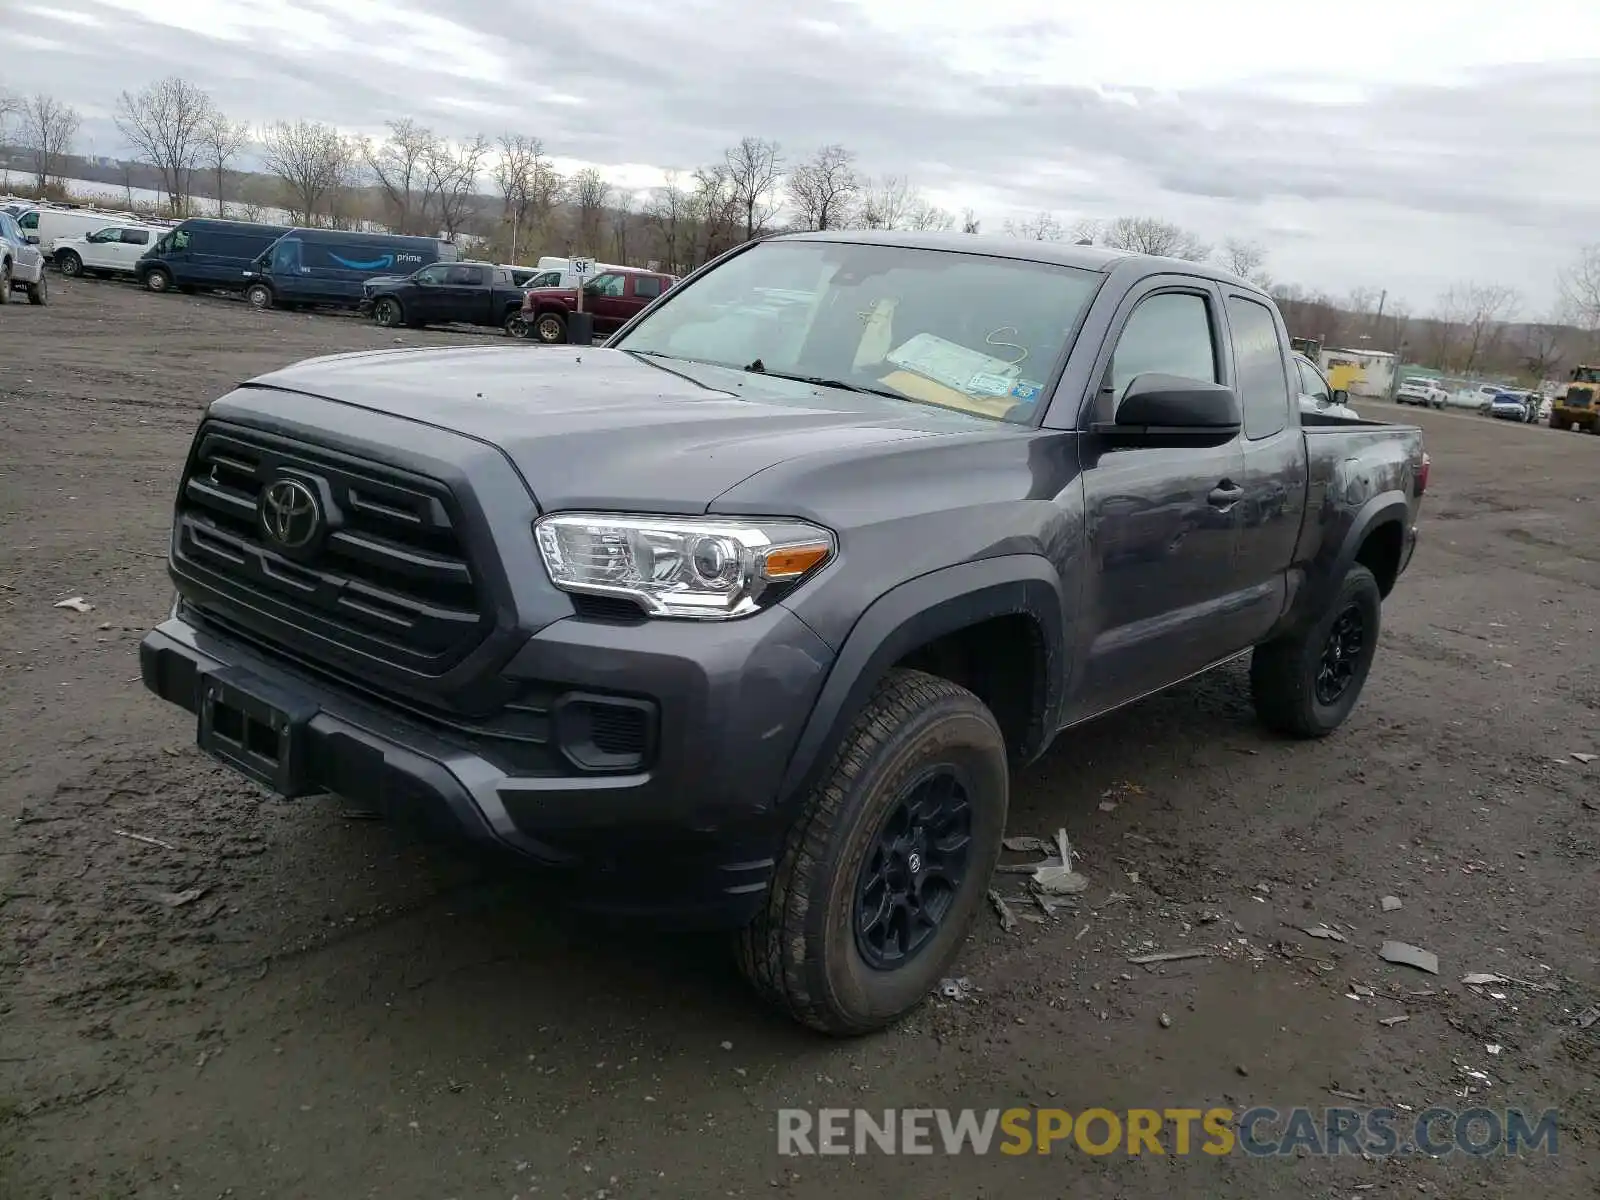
column 614, row 298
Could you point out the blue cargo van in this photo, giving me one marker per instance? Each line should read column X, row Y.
column 329, row 266
column 205, row 253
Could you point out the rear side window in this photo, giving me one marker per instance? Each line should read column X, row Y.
column 135, row 237
column 1258, row 364
column 468, row 276
column 646, row 287
column 1168, row 334
column 1311, row 382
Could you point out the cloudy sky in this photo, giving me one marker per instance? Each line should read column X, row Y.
column 1399, row 144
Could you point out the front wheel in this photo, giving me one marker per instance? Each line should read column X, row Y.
column 39, row 293
column 386, row 312
column 258, row 296
column 158, row 279
column 1305, row 684
column 887, row 861
column 550, row 328
column 69, row 264
column 516, row 325
column 5, row 282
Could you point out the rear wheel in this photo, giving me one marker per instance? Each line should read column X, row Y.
column 887, row 861
column 258, row 296
column 69, row 264
column 158, row 279
column 550, row 328
column 39, row 293
column 5, row 282
column 386, row 312
column 516, row 324
column 1306, row 684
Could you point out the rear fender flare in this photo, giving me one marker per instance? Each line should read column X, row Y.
column 921, row 611
column 1385, row 508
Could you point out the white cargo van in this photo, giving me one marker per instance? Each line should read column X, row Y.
column 44, row 225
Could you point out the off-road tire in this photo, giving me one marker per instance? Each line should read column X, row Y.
column 69, row 264
column 158, row 279
column 801, row 951
column 39, row 293
column 1283, row 673
column 388, row 313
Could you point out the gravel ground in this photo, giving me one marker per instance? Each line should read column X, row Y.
column 351, row 1010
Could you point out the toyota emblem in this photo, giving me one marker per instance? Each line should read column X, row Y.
column 290, row 514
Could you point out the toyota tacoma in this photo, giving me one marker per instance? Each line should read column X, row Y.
column 748, row 616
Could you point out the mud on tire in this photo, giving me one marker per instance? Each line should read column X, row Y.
column 806, row 951
column 1306, row 684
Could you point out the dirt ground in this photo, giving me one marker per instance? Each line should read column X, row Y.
column 350, row 1010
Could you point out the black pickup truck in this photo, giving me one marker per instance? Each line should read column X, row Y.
column 458, row 293
column 748, row 616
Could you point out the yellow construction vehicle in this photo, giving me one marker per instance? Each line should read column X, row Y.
column 1577, row 405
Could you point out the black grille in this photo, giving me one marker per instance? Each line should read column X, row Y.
column 387, row 576
column 1579, row 397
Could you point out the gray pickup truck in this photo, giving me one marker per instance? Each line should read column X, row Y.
column 747, row 617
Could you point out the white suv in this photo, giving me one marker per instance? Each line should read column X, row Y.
column 1421, row 390
column 115, row 249
column 21, row 264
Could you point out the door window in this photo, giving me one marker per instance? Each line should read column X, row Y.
column 546, row 279
column 1258, row 365
column 1313, row 384
column 135, row 237
column 30, row 221
column 646, row 287
column 1168, row 334
column 606, row 285
column 467, row 276
column 286, row 255
column 437, row 273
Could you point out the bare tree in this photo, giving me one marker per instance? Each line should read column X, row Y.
column 667, row 213
column 514, row 170
column 1147, row 235
column 1245, row 259
column 1479, row 309
column 311, row 160
column 755, row 169
column 1040, row 227
column 1542, row 351
column 47, row 129
column 399, row 164
column 452, row 174
column 715, row 209
column 221, row 141
column 924, row 215
column 590, row 191
column 969, row 221
column 1579, row 288
column 886, row 203
column 621, row 214
column 1085, row 231
column 165, row 124
column 824, row 187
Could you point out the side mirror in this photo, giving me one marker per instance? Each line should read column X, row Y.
column 32, row 239
column 1340, row 396
column 1170, row 409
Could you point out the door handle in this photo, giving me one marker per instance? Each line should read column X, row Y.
column 1225, row 495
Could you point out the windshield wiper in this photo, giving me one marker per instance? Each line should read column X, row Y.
column 758, row 368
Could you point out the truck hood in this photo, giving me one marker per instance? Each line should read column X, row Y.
column 604, row 429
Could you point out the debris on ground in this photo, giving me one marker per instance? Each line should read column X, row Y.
column 1588, row 1017
column 139, row 837
column 1390, row 903
column 1108, row 806
column 1023, row 845
column 956, row 989
column 360, row 814
column 1479, row 978
column 1058, row 878
column 1162, row 956
column 1008, row 920
column 77, row 604
column 1493, row 1048
column 1165, row 1021
column 1584, row 758
column 1410, row 956
column 179, row 899
column 1326, row 932
column 1400, row 1020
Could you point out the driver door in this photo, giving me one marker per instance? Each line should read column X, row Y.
column 428, row 296
column 606, row 297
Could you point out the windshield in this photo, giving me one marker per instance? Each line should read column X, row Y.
column 968, row 332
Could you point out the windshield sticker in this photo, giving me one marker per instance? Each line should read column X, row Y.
column 953, row 365
column 1027, row 389
column 986, row 383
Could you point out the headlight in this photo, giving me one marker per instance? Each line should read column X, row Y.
column 701, row 568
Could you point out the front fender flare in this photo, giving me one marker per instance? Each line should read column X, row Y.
column 920, row 611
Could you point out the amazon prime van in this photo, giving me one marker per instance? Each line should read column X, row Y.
column 328, row 267
column 205, row 253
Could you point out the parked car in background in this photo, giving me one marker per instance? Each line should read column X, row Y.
column 1420, row 389
column 48, row 224
column 203, row 252
column 110, row 250
column 461, row 293
column 1316, row 397
column 521, row 276
column 329, row 268
column 1511, row 406
column 21, row 264
column 614, row 297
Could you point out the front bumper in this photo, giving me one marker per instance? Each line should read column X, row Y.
column 364, row 305
column 692, row 835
